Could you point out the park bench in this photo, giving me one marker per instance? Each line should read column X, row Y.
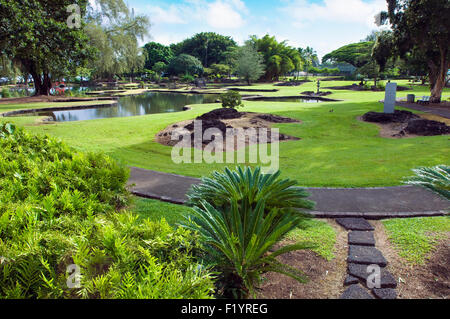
column 424, row 100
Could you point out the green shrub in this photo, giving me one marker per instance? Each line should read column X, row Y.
column 187, row 78
column 59, row 207
column 231, row 99
column 239, row 231
column 5, row 93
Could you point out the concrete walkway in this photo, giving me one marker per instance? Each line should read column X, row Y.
column 435, row 110
column 369, row 203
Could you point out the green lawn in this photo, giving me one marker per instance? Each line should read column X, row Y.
column 335, row 149
column 416, row 238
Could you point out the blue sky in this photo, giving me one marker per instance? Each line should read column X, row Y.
column 323, row 24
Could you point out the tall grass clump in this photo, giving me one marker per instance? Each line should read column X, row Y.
column 59, row 207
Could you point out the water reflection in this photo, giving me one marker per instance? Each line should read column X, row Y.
column 149, row 103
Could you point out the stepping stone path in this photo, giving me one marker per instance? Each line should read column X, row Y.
column 361, row 254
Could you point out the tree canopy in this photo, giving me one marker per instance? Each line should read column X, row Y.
column 209, row 47
column 36, row 35
column 157, row 52
column 249, row 63
column 279, row 58
column 423, row 27
column 185, row 64
column 357, row 54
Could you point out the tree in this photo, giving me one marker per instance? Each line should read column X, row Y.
column 185, row 64
column 114, row 30
column 159, row 67
column 36, row 35
column 155, row 53
column 220, row 70
column 423, row 26
column 209, row 47
column 279, row 58
column 249, row 63
column 309, row 57
column 357, row 54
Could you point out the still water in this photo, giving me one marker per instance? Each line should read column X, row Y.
column 149, row 103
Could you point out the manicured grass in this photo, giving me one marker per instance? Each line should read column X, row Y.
column 318, row 232
column 156, row 210
column 416, row 238
column 334, row 150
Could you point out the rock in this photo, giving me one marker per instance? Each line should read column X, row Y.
column 360, row 271
column 356, row 292
column 350, row 280
column 221, row 114
column 275, row 118
column 362, row 238
column 366, row 255
column 425, row 127
column 354, row 223
column 396, row 117
column 385, row 293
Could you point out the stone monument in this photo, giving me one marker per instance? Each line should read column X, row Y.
column 390, row 96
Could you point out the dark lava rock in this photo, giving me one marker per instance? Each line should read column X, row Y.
column 396, row 117
column 363, row 238
column 356, row 292
column 206, row 124
column 292, row 83
column 360, row 271
column 385, row 293
column 354, row 223
column 275, row 118
column 221, row 114
column 350, row 280
column 366, row 255
column 425, row 127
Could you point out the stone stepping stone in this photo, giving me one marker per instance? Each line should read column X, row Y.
column 362, row 238
column 366, row 255
column 360, row 271
column 385, row 293
column 354, row 224
column 356, row 292
column 350, row 280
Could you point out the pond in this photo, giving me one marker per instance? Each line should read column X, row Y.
column 149, row 103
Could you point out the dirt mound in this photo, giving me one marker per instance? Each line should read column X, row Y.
column 230, row 128
column 207, row 124
column 292, row 83
column 396, row 117
column 425, row 127
column 275, row 118
column 221, row 114
column 356, row 87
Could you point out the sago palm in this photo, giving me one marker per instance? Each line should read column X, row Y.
column 223, row 188
column 241, row 218
column 436, row 179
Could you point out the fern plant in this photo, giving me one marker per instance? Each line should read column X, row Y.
column 436, row 179
column 240, row 226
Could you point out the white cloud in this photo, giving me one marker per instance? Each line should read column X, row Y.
column 344, row 11
column 224, row 15
column 218, row 14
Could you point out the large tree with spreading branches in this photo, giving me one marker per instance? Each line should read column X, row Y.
column 423, row 27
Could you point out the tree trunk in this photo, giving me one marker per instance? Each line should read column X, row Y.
column 438, row 73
